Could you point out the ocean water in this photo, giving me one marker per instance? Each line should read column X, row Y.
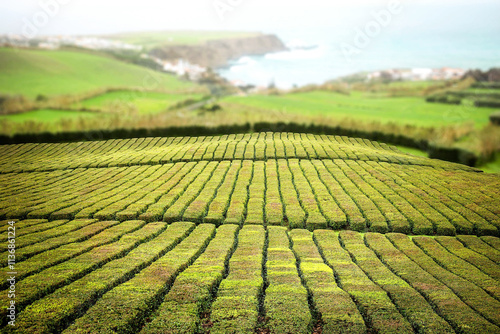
column 327, row 60
column 468, row 38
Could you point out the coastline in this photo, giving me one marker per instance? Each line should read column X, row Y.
column 216, row 53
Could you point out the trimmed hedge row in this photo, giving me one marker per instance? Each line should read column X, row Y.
column 444, row 98
column 36, row 286
column 29, row 226
column 293, row 215
column 154, row 278
column 60, row 308
column 256, row 195
column 125, row 307
column 395, row 193
column 374, row 218
column 458, row 266
column 192, row 292
column 378, row 196
column 238, row 201
column 461, row 317
column 400, row 197
column 79, row 235
column 336, row 310
column 452, row 220
column 112, row 232
column 91, row 195
column 481, row 247
column 484, row 264
column 354, row 216
column 492, row 241
column 485, row 218
column 60, row 227
column 273, row 203
column 469, row 293
column 377, row 309
column 220, row 203
column 328, row 206
column 149, row 193
column 285, row 303
column 315, row 218
column 411, row 304
column 199, row 206
column 395, row 220
column 153, row 151
column 177, row 186
column 487, row 102
column 418, row 198
column 236, row 307
column 176, row 210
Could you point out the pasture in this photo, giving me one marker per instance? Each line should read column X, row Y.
column 141, row 102
column 366, row 108
column 51, row 73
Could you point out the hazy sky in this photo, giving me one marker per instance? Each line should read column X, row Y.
column 109, row 16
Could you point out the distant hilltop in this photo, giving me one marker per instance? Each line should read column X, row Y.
column 217, row 53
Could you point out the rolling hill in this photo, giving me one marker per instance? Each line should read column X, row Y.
column 296, row 180
column 33, row 72
column 248, row 233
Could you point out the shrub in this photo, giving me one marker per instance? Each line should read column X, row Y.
column 490, row 103
column 486, row 85
column 14, row 104
column 495, row 118
column 444, row 98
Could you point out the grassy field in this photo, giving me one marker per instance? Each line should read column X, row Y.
column 247, row 233
column 493, row 166
column 155, row 39
column 49, row 116
column 413, row 151
column 361, row 106
column 143, row 102
column 33, row 72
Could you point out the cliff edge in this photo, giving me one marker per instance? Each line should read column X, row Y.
column 216, row 53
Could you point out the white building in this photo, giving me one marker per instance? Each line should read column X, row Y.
column 182, row 67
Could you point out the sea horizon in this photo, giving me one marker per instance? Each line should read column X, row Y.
column 316, row 59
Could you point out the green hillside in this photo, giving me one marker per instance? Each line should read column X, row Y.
column 33, row 72
column 50, row 116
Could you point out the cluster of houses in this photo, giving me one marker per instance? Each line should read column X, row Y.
column 181, row 67
column 417, row 74
column 55, row 42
